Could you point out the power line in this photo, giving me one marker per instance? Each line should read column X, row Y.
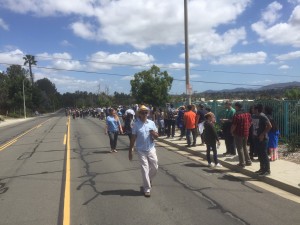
column 125, row 75
column 165, row 67
column 69, row 70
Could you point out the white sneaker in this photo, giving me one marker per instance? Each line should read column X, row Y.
column 218, row 165
column 210, row 165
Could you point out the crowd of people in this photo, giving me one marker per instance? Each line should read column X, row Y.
column 248, row 134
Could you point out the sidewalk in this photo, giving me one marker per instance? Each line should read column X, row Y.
column 11, row 121
column 284, row 174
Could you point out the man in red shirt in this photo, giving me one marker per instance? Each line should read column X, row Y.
column 241, row 123
column 189, row 119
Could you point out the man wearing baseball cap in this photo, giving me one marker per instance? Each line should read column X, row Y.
column 143, row 133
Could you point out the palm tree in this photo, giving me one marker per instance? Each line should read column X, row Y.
column 29, row 59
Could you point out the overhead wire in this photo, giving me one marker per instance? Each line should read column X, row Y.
column 137, row 65
column 166, row 67
column 126, row 75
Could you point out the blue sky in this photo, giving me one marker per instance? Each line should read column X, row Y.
column 98, row 45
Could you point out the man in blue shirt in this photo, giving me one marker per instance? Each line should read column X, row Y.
column 143, row 133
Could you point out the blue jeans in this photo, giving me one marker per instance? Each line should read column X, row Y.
column 113, row 138
column 262, row 152
column 213, row 147
column 188, row 136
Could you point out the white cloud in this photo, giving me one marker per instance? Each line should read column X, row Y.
column 242, row 59
column 50, row 7
column 271, row 14
column 3, row 25
column 54, row 56
column 176, row 65
column 281, row 33
column 284, row 67
column 273, row 63
column 289, row 56
column 66, row 43
column 68, row 65
column 12, row 57
column 145, row 23
column 128, row 78
column 84, row 30
column 161, row 22
column 65, row 83
column 295, row 2
column 206, row 45
column 105, row 60
column 62, row 61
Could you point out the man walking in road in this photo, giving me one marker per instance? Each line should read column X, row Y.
column 143, row 133
column 241, row 123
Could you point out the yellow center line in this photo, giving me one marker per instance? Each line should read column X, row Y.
column 67, row 196
column 65, row 139
column 10, row 142
column 7, row 144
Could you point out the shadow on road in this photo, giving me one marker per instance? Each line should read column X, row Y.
column 125, row 192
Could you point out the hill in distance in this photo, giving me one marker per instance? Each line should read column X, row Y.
column 264, row 88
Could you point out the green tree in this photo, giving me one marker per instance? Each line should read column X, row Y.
column 151, row 86
column 3, row 93
column 122, row 99
column 30, row 60
column 17, row 76
column 104, row 100
column 47, row 94
column 293, row 94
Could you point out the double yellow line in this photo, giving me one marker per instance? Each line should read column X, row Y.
column 67, row 191
column 9, row 143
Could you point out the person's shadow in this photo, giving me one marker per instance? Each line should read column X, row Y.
column 122, row 192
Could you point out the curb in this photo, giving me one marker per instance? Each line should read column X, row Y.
column 269, row 180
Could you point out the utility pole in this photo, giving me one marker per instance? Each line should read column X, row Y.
column 24, row 104
column 187, row 65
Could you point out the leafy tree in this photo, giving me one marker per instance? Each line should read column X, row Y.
column 69, row 99
column 50, row 96
column 151, row 86
column 47, row 86
column 293, row 94
column 104, row 100
column 3, row 93
column 122, row 99
column 17, row 76
column 30, row 60
column 40, row 101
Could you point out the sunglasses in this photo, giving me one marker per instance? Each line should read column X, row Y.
column 144, row 113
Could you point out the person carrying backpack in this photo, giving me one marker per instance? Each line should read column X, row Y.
column 171, row 121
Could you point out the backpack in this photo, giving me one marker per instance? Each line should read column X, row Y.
column 171, row 114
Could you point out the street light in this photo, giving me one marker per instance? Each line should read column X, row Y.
column 24, row 101
column 187, row 66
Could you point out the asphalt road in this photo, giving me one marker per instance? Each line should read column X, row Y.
column 104, row 187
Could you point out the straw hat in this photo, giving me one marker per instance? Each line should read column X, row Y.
column 143, row 108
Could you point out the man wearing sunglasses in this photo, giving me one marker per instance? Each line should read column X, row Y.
column 143, row 133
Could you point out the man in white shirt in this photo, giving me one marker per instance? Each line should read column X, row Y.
column 143, row 133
